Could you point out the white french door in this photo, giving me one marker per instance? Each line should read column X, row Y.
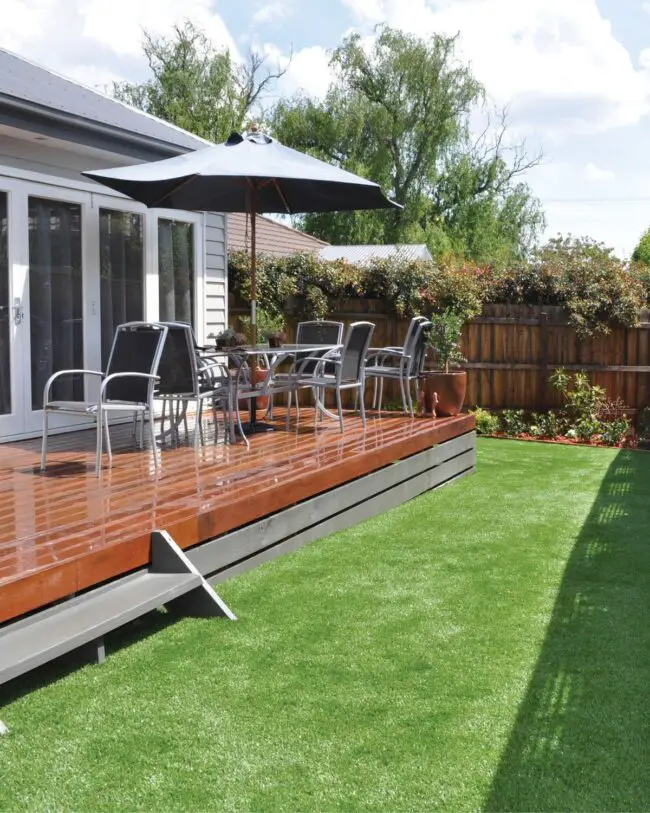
column 73, row 265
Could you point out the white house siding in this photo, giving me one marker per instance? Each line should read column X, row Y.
column 216, row 274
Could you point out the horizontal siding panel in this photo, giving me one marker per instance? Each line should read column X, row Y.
column 214, row 244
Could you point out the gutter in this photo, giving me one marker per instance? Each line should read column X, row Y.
column 57, row 124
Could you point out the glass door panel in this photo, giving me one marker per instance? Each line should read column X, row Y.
column 6, row 311
column 176, row 271
column 121, row 264
column 55, row 297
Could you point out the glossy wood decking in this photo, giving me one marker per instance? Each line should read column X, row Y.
column 66, row 530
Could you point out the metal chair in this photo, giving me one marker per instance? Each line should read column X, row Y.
column 403, row 364
column 127, row 385
column 314, row 333
column 348, row 365
column 186, row 376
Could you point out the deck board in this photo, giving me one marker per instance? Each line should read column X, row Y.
column 66, row 530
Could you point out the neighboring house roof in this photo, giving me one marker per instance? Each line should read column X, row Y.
column 36, row 99
column 363, row 254
column 271, row 237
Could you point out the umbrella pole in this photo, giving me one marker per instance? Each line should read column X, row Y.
column 252, row 207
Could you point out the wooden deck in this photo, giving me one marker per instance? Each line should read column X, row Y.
column 66, row 530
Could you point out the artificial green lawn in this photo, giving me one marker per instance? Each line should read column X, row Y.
column 484, row 647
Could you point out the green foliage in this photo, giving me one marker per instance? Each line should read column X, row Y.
column 487, row 423
column 596, row 290
column 588, row 413
column 399, row 113
column 514, row 422
column 195, row 86
column 445, row 337
column 641, row 253
column 268, row 324
column 583, row 276
column 613, row 433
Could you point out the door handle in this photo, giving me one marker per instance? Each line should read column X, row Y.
column 18, row 311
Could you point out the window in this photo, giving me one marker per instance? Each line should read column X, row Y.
column 176, row 271
column 121, row 268
column 55, row 297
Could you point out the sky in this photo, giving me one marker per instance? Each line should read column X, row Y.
column 574, row 75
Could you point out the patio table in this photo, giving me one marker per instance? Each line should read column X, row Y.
column 273, row 357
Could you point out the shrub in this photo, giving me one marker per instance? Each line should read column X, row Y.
column 551, row 424
column 614, row 432
column 444, row 339
column 487, row 423
column 583, row 400
column 514, row 422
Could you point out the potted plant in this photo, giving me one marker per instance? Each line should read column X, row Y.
column 445, row 387
column 229, row 338
column 270, row 328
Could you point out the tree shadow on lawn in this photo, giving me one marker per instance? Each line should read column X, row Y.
column 581, row 740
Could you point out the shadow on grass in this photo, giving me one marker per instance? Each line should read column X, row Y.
column 118, row 639
column 581, row 740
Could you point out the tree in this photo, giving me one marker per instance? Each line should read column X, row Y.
column 400, row 114
column 641, row 253
column 196, row 86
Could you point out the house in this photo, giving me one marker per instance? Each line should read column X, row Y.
column 76, row 259
column 271, row 237
column 364, row 254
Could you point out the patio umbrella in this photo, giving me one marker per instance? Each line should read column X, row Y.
column 255, row 174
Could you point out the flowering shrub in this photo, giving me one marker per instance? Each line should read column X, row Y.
column 583, row 276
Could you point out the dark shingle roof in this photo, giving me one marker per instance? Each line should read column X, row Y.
column 271, row 237
column 37, row 90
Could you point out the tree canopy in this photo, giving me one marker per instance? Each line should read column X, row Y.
column 400, row 113
column 196, row 86
column 641, row 253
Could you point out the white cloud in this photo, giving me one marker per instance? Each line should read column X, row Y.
column 307, row 72
column 556, row 63
column 96, row 41
column 592, row 172
column 268, row 12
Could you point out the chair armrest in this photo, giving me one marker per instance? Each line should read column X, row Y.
column 52, row 379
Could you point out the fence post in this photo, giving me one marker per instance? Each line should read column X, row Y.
column 543, row 360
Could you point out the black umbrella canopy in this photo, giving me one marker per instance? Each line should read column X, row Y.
column 253, row 172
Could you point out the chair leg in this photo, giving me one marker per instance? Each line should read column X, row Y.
column 134, row 432
column 142, row 417
column 152, row 437
column 401, row 387
column 374, row 394
column 408, row 396
column 108, row 438
column 362, row 408
column 197, row 425
column 381, row 394
column 98, row 450
column 288, row 410
column 214, row 420
column 44, row 440
column 339, row 406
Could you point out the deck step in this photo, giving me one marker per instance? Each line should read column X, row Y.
column 45, row 635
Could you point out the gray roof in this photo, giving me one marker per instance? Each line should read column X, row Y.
column 364, row 254
column 35, row 98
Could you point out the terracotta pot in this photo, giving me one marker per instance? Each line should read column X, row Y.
column 262, row 401
column 450, row 389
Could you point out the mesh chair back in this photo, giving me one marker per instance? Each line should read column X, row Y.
column 320, row 332
column 178, row 368
column 137, row 348
column 355, row 349
column 411, row 334
column 420, row 344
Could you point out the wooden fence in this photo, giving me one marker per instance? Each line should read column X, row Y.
column 512, row 350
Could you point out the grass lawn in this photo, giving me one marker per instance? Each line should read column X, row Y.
column 484, row 647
